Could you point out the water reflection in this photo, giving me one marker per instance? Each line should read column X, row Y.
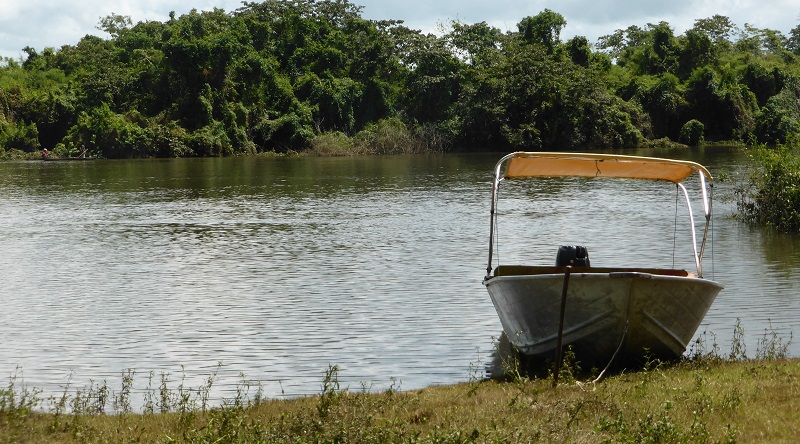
column 276, row 268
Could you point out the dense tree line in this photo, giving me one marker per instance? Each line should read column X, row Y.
column 283, row 75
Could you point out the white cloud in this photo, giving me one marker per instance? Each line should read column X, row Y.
column 54, row 23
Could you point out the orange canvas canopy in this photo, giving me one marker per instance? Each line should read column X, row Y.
column 524, row 164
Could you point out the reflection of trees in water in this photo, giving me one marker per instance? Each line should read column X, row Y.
column 781, row 250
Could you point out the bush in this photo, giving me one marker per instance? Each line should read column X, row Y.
column 388, row 136
column 107, row 133
column 211, row 140
column 692, row 133
column 333, row 144
column 772, row 195
column 19, row 136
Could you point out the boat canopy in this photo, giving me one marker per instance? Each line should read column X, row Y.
column 522, row 164
column 549, row 164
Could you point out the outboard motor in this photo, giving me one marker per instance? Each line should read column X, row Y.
column 575, row 255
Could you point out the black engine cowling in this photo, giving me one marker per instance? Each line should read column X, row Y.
column 575, row 255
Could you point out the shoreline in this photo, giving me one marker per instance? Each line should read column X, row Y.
column 709, row 399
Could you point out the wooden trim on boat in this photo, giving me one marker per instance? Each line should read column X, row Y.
column 525, row 270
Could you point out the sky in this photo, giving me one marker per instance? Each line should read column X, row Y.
column 54, row 23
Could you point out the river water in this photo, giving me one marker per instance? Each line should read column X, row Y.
column 270, row 270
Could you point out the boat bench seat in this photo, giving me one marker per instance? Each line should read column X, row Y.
column 522, row 270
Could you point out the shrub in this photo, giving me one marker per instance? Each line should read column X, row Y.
column 772, row 195
column 692, row 133
column 333, row 144
column 19, row 136
column 388, row 136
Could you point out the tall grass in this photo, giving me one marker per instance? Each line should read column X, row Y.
column 711, row 396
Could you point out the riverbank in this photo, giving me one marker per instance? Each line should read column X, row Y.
column 707, row 400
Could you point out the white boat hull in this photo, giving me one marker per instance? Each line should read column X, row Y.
column 639, row 314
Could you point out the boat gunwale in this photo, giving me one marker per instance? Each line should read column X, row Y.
column 550, row 272
column 533, row 270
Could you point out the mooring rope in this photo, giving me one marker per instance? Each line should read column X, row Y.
column 619, row 347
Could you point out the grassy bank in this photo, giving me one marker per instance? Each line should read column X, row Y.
column 705, row 400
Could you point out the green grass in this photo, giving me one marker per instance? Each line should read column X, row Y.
column 711, row 397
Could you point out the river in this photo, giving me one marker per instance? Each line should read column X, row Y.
column 270, row 270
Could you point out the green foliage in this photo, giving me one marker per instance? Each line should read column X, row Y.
column 543, row 28
column 20, row 136
column 579, row 51
column 692, row 133
column 779, row 119
column 389, row 136
column 726, row 107
column 772, row 195
column 274, row 76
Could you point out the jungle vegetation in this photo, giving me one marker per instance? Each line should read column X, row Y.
column 313, row 75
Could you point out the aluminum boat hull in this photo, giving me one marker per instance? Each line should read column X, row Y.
column 631, row 316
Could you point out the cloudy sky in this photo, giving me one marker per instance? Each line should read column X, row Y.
column 53, row 23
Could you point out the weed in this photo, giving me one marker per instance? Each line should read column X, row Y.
column 569, row 370
column 330, row 391
column 475, row 371
column 17, row 402
column 699, row 350
column 149, row 403
column 122, row 402
column 772, row 347
column 164, row 401
column 738, row 346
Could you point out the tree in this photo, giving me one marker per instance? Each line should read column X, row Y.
column 622, row 43
column 579, row 51
column 696, row 50
column 726, row 107
column 717, row 28
column 793, row 43
column 115, row 25
column 433, row 82
column 758, row 42
column 664, row 101
column 664, row 48
column 478, row 45
column 544, row 28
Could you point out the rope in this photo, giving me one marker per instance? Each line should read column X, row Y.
column 624, row 333
column 619, row 347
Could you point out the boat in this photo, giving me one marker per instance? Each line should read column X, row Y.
column 627, row 316
column 65, row 159
column 48, row 157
